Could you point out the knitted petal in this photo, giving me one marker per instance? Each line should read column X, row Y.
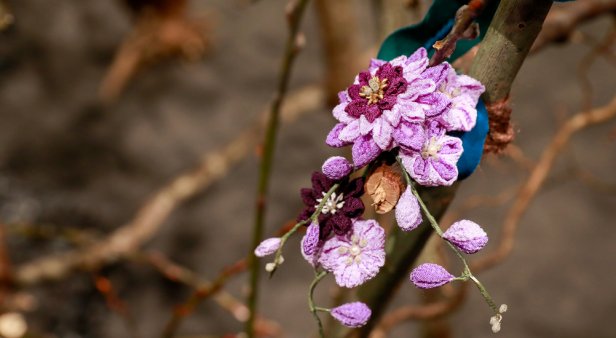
column 333, row 139
column 354, row 314
column 408, row 212
column 310, row 242
column 364, row 151
column 468, row 236
column 267, row 247
column 430, row 275
column 336, row 167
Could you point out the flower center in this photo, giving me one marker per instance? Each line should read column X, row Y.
column 431, row 148
column 374, row 90
column 333, row 203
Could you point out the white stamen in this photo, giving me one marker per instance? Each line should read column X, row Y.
column 333, row 203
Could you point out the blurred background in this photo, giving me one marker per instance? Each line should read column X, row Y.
column 128, row 166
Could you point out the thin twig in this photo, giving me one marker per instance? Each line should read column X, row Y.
column 463, row 28
column 295, row 11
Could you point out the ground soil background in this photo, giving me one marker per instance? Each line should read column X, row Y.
column 66, row 161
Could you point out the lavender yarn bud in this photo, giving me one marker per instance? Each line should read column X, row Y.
column 430, row 275
column 267, row 247
column 354, row 314
column 467, row 236
column 310, row 242
column 408, row 213
column 336, row 167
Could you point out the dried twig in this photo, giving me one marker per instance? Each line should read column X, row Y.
column 563, row 20
column 157, row 208
column 463, row 28
column 161, row 30
column 295, row 41
column 536, row 179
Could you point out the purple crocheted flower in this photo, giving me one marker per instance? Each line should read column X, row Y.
column 354, row 314
column 430, row 275
column 267, row 247
column 356, row 258
column 336, row 167
column 430, row 156
column 373, row 107
column 342, row 206
column 408, row 213
column 461, row 90
column 468, row 236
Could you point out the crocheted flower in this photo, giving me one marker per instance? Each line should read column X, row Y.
column 267, row 247
column 462, row 91
column 336, row 167
column 358, row 257
column 341, row 207
column 430, row 275
column 430, row 156
column 468, row 236
column 354, row 314
column 381, row 97
column 408, row 213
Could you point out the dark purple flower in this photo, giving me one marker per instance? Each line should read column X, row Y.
column 371, row 109
column 430, row 275
column 467, row 235
column 342, row 206
column 354, row 314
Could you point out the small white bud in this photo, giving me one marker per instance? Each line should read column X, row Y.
column 269, row 267
column 503, row 308
column 496, row 327
column 280, row 260
column 493, row 320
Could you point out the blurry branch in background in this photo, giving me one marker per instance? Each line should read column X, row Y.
column 563, row 20
column 161, row 30
column 6, row 17
column 105, row 287
column 295, row 42
column 393, row 14
column 338, row 27
column 150, row 217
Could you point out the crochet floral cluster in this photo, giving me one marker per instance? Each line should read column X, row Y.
column 399, row 109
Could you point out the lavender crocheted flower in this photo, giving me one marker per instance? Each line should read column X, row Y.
column 336, row 167
column 430, row 275
column 468, row 236
column 354, row 314
column 408, row 213
column 356, row 258
column 430, row 156
column 373, row 107
column 463, row 92
column 342, row 206
column 267, row 247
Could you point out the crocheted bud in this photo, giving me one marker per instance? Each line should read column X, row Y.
column 336, row 167
column 430, row 275
column 408, row 213
column 468, row 236
column 310, row 242
column 268, row 247
column 354, row 314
